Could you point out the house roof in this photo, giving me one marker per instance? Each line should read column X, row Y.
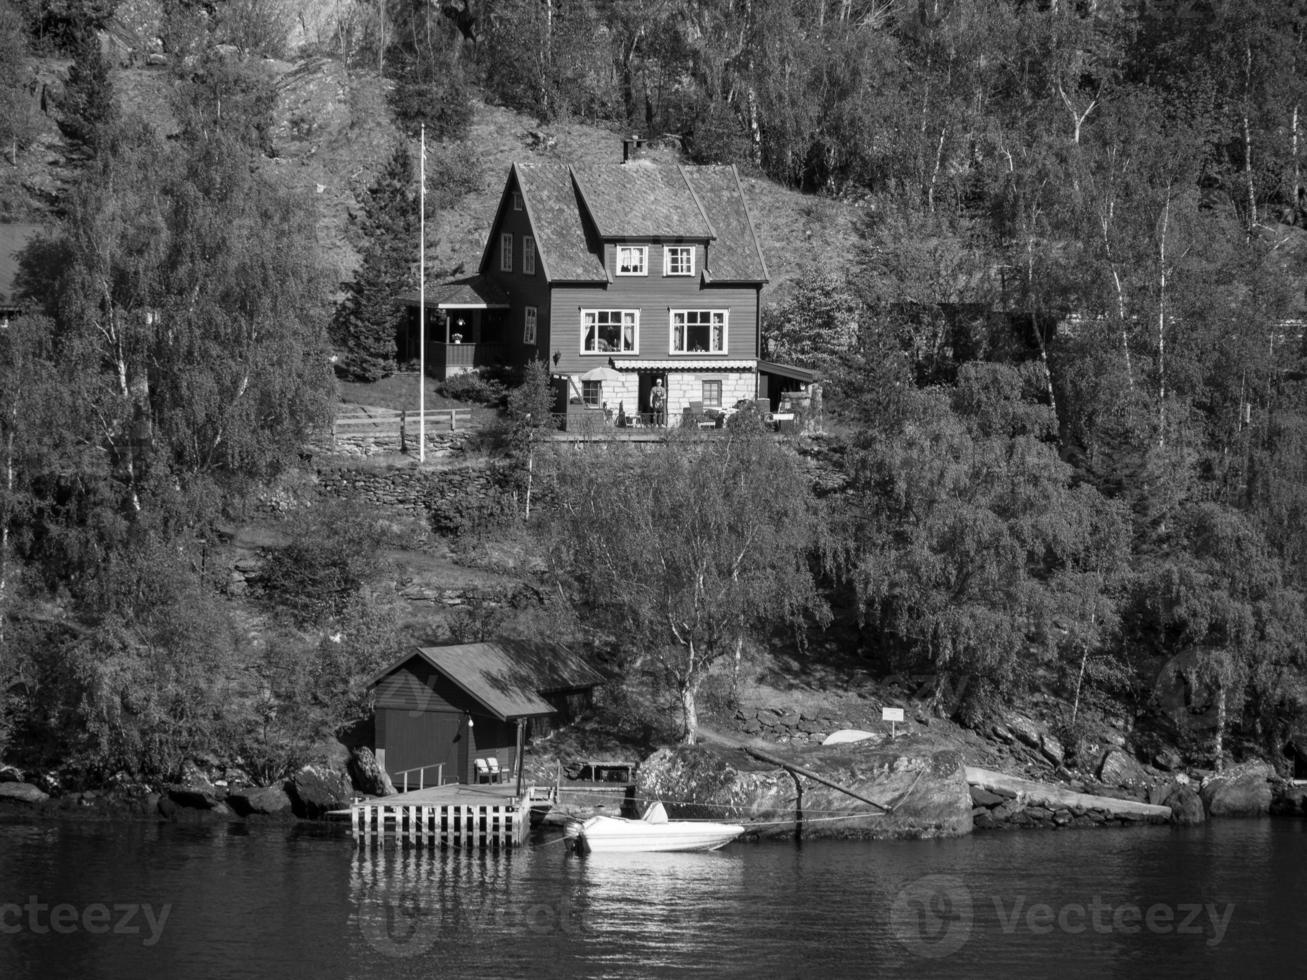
column 469, row 293
column 735, row 256
column 640, row 200
column 573, row 210
column 556, row 210
column 508, row 678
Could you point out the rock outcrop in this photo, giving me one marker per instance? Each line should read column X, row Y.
column 924, row 786
column 316, row 790
column 367, row 776
column 1005, row 801
column 270, row 801
column 1241, row 791
column 21, row 793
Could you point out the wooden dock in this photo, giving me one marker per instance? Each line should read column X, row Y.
column 446, row 816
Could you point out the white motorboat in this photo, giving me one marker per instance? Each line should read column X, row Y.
column 652, row 832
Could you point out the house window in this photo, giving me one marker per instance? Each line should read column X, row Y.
column 632, row 260
column 506, row 252
column 610, row 331
column 529, row 325
column 528, row 255
column 517, row 201
column 678, row 260
column 712, row 394
column 592, row 393
column 699, row 331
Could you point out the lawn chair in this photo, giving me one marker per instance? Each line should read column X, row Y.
column 483, row 770
column 496, row 774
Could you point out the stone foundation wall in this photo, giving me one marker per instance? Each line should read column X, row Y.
column 408, row 488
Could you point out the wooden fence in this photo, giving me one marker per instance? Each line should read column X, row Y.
column 360, row 423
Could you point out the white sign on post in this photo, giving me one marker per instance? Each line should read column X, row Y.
column 893, row 716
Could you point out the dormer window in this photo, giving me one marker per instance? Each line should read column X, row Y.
column 678, row 260
column 506, row 252
column 632, row 260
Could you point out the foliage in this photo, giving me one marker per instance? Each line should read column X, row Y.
column 686, row 553
column 479, row 387
column 368, row 317
column 528, row 419
column 17, row 125
column 86, row 110
column 972, row 552
column 335, row 549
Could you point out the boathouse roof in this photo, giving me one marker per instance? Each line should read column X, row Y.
column 508, row 678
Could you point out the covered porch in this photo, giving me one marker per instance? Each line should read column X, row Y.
column 465, row 323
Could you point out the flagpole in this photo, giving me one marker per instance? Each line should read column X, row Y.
column 422, row 300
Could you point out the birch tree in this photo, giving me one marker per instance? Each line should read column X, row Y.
column 690, row 553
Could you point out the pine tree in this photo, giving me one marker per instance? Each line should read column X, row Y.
column 86, row 110
column 367, row 318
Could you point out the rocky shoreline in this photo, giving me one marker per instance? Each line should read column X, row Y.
column 910, row 787
column 311, row 793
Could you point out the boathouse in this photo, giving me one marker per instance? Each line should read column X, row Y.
column 439, row 709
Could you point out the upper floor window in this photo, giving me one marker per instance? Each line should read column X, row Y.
column 506, row 252
column 632, row 260
column 517, row 201
column 699, row 331
column 678, row 260
column 610, row 331
column 528, row 255
column 529, row 325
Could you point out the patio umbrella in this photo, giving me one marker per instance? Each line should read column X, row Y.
column 604, row 373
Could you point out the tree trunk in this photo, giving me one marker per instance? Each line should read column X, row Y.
column 1248, row 139
column 689, row 711
column 1161, row 324
column 1218, row 740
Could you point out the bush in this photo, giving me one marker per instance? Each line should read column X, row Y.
column 335, row 548
column 475, row 386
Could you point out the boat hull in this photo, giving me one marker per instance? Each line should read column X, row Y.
column 612, row 834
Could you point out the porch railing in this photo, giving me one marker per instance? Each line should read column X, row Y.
column 441, row 358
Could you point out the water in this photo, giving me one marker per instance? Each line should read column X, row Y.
column 130, row 900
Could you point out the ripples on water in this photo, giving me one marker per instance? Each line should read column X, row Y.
column 260, row 902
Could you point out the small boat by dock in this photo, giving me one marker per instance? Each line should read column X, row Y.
column 651, row 833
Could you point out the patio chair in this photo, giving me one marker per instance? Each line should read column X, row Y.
column 496, row 774
column 483, row 770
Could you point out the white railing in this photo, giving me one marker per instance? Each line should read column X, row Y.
column 421, row 776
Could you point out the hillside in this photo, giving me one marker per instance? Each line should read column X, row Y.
column 333, row 132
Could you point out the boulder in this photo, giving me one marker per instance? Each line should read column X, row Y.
column 8, row 774
column 22, row 793
column 924, row 784
column 1120, row 769
column 196, row 797
column 1241, row 791
column 1052, row 749
column 983, row 797
column 1025, row 730
column 367, row 776
column 1186, row 805
column 267, row 801
column 316, row 790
